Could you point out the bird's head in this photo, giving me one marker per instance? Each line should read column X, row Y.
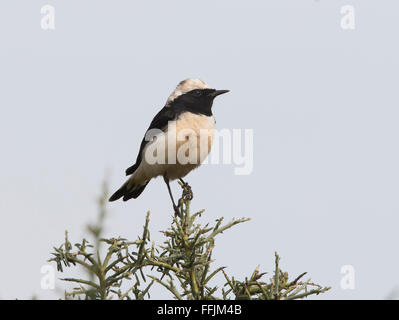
column 194, row 94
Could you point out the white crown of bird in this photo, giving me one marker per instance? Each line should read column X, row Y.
column 186, row 86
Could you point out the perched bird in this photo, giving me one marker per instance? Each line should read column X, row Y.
column 173, row 144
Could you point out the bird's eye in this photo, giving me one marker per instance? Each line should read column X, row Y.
column 197, row 93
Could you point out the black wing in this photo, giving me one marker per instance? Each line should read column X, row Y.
column 160, row 121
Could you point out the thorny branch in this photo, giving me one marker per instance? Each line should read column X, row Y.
column 182, row 264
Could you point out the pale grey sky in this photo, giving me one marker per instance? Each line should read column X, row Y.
column 322, row 101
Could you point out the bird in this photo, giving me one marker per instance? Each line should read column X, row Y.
column 178, row 126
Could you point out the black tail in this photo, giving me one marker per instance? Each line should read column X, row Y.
column 128, row 191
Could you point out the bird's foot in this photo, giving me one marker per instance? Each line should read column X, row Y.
column 187, row 192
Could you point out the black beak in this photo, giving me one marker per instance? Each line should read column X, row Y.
column 219, row 92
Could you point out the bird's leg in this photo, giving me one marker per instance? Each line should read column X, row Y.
column 177, row 213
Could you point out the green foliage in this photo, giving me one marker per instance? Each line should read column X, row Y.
column 182, row 264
